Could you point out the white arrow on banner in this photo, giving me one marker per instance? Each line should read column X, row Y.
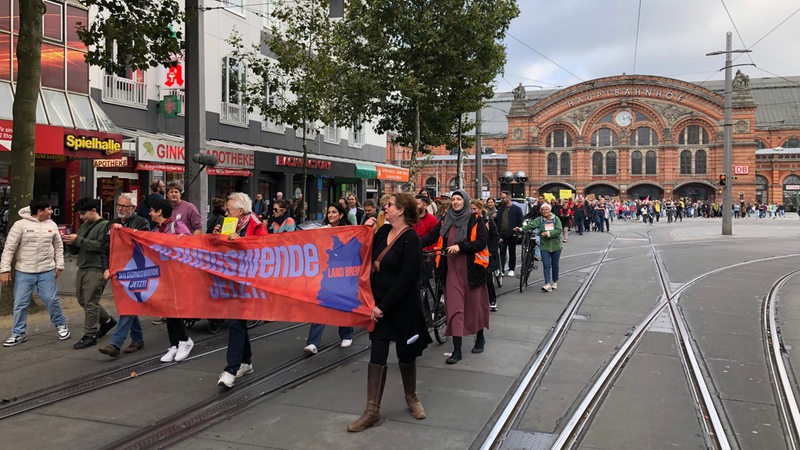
column 5, row 146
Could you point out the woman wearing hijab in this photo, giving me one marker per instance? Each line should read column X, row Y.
column 462, row 236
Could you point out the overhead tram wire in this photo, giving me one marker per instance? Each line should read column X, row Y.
column 741, row 39
column 545, row 57
column 636, row 40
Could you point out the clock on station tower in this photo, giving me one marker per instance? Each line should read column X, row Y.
column 624, row 118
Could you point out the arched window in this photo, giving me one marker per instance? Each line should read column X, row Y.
column 650, row 163
column 453, row 184
column 644, row 136
column 552, row 164
column 597, row 163
column 791, row 143
column 791, row 179
column 559, row 138
column 432, row 185
column 566, row 163
column 693, row 135
column 760, row 145
column 636, row 163
column 611, row 163
column 700, row 161
column 686, row 162
column 604, row 137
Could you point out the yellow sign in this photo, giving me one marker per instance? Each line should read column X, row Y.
column 548, row 197
column 229, row 225
column 564, row 194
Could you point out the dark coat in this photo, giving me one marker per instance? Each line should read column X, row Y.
column 514, row 218
column 493, row 245
column 476, row 273
column 396, row 290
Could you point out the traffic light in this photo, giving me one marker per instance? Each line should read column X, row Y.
column 723, row 179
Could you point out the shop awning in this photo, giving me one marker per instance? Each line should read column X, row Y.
column 366, row 171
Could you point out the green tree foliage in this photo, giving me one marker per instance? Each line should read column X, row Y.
column 296, row 76
column 420, row 65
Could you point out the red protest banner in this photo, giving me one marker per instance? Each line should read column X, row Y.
column 319, row 276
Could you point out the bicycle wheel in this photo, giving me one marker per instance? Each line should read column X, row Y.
column 525, row 270
column 425, row 305
column 439, row 320
column 254, row 323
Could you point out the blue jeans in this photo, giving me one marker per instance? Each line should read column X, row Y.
column 315, row 334
column 45, row 282
column 550, row 266
column 239, row 350
column 127, row 324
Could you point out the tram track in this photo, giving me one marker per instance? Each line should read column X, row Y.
column 586, row 406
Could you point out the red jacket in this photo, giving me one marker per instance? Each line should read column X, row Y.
column 424, row 226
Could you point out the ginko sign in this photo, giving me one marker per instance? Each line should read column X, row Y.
column 741, row 170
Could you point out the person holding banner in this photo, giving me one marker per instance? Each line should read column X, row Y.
column 239, row 355
column 396, row 265
column 336, row 216
column 180, row 342
column 463, row 237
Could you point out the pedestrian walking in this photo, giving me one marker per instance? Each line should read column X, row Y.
column 509, row 216
column 397, row 260
column 90, row 243
column 550, row 230
column 35, row 243
column 239, row 357
column 126, row 205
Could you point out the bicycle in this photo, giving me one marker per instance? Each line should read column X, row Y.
column 528, row 244
column 432, row 297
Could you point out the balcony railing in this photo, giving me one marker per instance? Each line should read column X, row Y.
column 124, row 91
column 233, row 114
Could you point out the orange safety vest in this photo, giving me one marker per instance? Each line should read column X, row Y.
column 481, row 258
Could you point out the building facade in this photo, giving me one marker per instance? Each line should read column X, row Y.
column 639, row 136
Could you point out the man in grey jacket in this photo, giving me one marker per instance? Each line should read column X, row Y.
column 35, row 241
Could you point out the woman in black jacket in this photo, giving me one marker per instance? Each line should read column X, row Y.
column 397, row 313
column 462, row 236
column 493, row 245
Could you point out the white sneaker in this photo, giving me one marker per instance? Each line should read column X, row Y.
column 346, row 343
column 226, row 379
column 547, row 288
column 184, row 348
column 170, row 355
column 311, row 349
column 554, row 286
column 15, row 340
column 244, row 369
column 511, row 273
column 63, row 332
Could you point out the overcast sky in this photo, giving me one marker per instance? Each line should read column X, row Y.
column 561, row 43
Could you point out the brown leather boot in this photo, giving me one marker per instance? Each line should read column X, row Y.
column 376, row 380
column 409, row 374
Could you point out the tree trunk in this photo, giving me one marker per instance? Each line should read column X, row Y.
column 23, row 142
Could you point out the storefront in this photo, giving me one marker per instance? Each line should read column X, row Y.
column 57, row 169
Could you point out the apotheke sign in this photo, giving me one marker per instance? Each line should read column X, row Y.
column 173, row 152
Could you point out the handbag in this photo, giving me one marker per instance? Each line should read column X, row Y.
column 376, row 265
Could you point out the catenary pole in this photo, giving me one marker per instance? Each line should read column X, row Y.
column 195, row 119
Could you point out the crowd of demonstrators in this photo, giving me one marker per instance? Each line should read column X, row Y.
column 462, row 237
column 126, row 217
column 90, row 243
column 239, row 355
column 509, row 217
column 396, row 260
column 336, row 216
column 181, row 344
column 34, row 243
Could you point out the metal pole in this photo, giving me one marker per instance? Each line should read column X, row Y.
column 195, row 121
column 727, row 160
column 478, row 156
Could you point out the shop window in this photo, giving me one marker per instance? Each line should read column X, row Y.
column 559, row 138
column 57, row 108
column 650, row 163
column 693, row 135
column 6, row 101
column 636, row 163
column 597, row 163
column 566, row 164
column 604, row 137
column 644, row 136
column 700, row 162
column 552, row 164
column 791, row 143
column 611, row 163
column 686, row 162
column 53, row 21
column 82, row 112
